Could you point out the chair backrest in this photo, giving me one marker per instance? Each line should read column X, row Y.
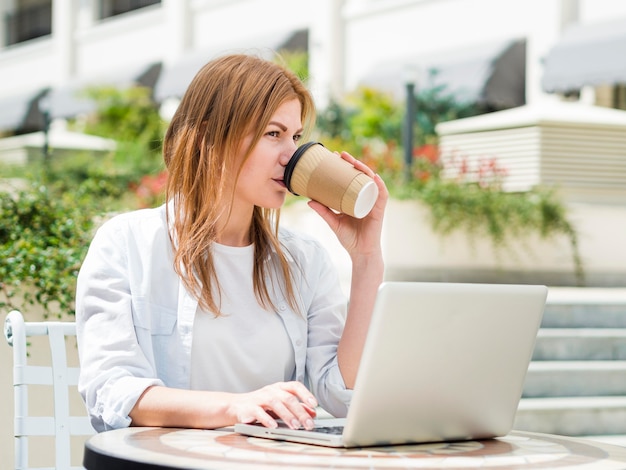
column 58, row 375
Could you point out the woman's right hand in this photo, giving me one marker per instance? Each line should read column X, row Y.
column 162, row 406
column 291, row 402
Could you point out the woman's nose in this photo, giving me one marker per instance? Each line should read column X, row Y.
column 287, row 153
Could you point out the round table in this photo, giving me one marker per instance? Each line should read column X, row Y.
column 169, row 448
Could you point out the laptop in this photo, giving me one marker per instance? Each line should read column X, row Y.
column 442, row 362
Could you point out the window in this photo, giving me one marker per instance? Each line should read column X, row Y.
column 117, row 7
column 611, row 96
column 29, row 22
column 619, row 96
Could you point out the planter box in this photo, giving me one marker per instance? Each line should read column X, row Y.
column 413, row 252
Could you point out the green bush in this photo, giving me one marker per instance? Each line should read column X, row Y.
column 130, row 118
column 43, row 240
column 46, row 229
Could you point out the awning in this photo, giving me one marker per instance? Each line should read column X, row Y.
column 21, row 112
column 492, row 74
column 68, row 100
column 176, row 77
column 587, row 55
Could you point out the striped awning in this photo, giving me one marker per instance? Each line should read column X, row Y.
column 493, row 74
column 69, row 99
column 21, row 112
column 590, row 54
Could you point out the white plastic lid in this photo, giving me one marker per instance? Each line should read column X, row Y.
column 365, row 200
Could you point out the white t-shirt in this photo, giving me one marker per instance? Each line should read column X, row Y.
column 246, row 347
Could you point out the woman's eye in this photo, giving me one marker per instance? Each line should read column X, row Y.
column 273, row 133
column 297, row 137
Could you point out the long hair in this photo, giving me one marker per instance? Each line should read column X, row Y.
column 229, row 98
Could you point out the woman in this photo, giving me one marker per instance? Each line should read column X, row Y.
column 203, row 312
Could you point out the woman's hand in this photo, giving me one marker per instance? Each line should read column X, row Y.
column 357, row 236
column 362, row 239
column 170, row 407
column 288, row 401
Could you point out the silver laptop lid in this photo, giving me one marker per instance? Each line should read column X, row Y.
column 444, row 361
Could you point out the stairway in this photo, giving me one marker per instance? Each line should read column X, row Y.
column 576, row 382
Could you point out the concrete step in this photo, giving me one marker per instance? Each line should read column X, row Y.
column 576, row 382
column 575, row 378
column 585, row 308
column 580, row 416
column 580, row 344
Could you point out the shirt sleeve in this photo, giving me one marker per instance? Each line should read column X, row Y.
column 114, row 369
column 326, row 318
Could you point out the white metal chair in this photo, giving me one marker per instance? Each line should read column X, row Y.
column 58, row 375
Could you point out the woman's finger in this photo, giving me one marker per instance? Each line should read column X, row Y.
column 358, row 164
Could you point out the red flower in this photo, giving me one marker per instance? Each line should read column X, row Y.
column 428, row 151
column 150, row 189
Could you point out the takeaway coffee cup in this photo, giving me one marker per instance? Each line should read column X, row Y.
column 319, row 174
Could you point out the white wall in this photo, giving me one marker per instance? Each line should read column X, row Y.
column 241, row 19
column 592, row 11
column 27, row 68
column 117, row 43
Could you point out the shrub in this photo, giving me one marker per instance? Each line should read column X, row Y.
column 131, row 118
column 43, row 239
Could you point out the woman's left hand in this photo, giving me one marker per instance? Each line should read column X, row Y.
column 357, row 236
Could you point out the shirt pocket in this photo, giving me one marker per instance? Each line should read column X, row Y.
column 158, row 320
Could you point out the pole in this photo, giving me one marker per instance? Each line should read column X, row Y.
column 408, row 129
column 44, row 108
column 46, row 136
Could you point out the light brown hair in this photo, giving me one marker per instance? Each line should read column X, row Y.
column 229, row 98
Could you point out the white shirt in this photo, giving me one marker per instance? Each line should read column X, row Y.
column 134, row 318
column 263, row 352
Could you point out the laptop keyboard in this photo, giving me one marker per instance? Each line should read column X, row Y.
column 338, row 430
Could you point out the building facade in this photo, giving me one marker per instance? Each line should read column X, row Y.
column 504, row 53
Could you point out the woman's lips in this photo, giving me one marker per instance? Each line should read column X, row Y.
column 280, row 182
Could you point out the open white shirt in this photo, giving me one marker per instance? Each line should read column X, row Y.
column 135, row 319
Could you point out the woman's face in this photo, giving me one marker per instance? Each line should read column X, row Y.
column 260, row 182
